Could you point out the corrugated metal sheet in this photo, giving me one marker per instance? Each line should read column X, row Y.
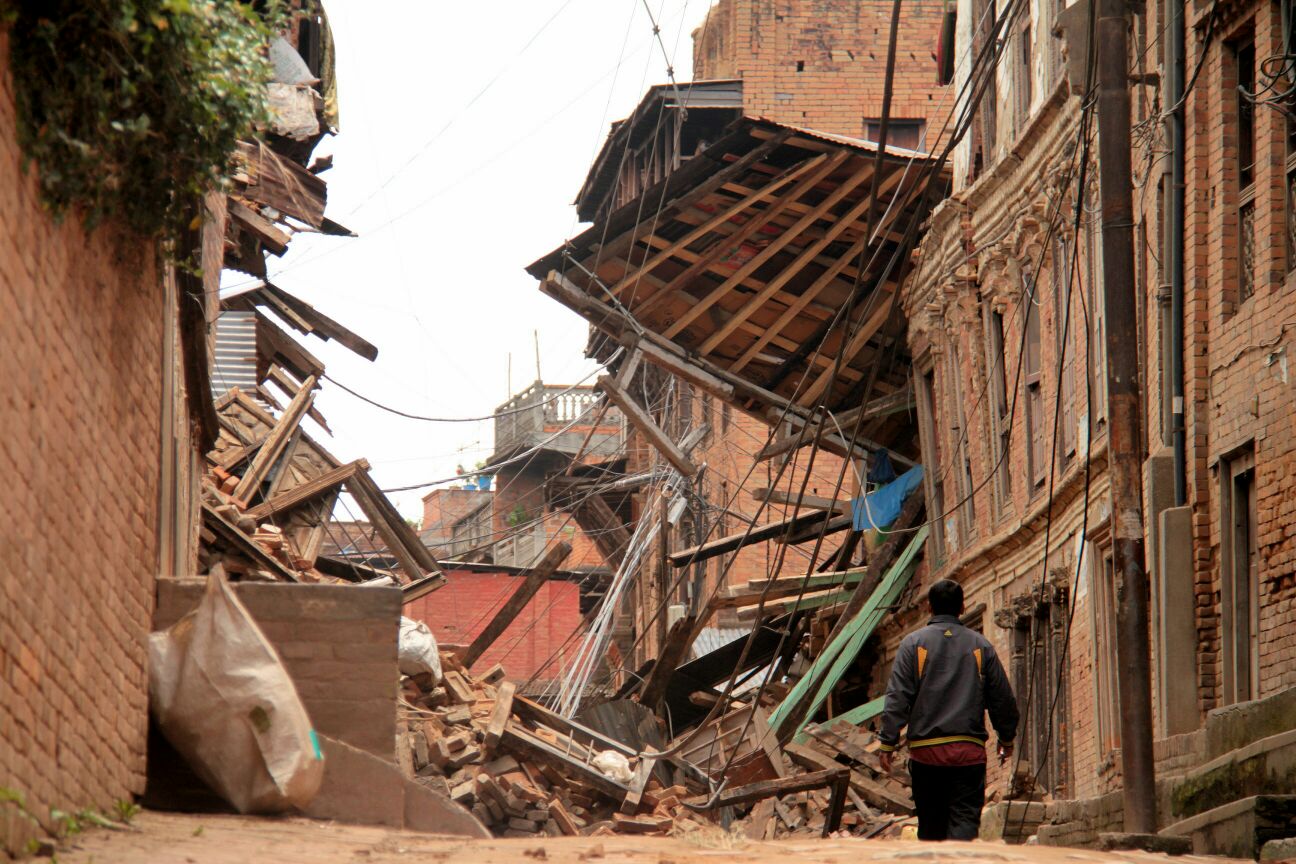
column 236, row 353
column 715, row 638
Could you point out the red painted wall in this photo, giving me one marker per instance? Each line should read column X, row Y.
column 463, row 608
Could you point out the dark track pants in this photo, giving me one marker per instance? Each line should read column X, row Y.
column 948, row 800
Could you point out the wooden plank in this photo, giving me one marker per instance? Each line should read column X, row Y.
column 643, row 773
column 276, row 346
column 732, row 542
column 676, row 646
column 540, row 715
column 821, row 167
column 276, row 441
column 866, row 332
column 601, row 523
column 772, row 610
column 281, row 380
column 787, row 586
column 322, row 325
column 408, row 567
column 836, row 778
column 499, row 716
column 308, row 490
column 517, row 738
column 787, row 176
column 808, row 255
column 809, row 693
column 814, row 502
column 839, row 192
column 644, row 422
column 534, row 578
column 274, row 240
column 812, row 291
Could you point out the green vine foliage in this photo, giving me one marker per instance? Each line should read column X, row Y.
column 131, row 109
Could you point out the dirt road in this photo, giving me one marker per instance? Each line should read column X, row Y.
column 162, row 838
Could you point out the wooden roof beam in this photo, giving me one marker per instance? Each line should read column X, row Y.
column 276, row 441
column 776, row 284
column 840, row 192
column 788, row 176
column 820, row 168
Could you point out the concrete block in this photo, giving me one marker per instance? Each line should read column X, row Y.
column 1279, row 850
column 1237, row 725
column 1267, row 766
column 1240, row 828
column 358, row 787
column 363, row 789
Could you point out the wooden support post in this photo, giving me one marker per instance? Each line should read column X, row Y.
column 277, row 440
column 535, row 577
column 641, row 419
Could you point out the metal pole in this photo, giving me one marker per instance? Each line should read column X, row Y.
column 1124, row 435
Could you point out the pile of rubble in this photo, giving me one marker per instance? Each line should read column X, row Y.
column 524, row 770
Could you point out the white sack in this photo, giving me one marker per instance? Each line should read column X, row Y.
column 417, row 650
column 223, row 699
column 614, row 765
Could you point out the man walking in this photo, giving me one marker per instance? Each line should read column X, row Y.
column 944, row 680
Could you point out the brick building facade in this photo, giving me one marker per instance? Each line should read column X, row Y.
column 532, row 646
column 1011, row 402
column 83, row 338
column 822, row 65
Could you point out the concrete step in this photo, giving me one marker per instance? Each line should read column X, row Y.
column 1263, row 767
column 1239, row 829
column 361, row 788
column 1011, row 821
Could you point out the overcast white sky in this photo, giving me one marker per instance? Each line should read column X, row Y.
column 453, row 191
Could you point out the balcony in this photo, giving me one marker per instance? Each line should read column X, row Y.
column 556, row 419
column 523, row 546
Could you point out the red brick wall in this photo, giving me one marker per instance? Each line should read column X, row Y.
column 841, row 50
column 463, row 608
column 1239, row 356
column 81, row 332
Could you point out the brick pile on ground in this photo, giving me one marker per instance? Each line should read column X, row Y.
column 524, row 771
column 456, row 743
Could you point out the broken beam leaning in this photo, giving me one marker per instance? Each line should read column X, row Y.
column 276, row 441
column 414, row 558
column 641, row 418
column 308, row 490
column 535, row 577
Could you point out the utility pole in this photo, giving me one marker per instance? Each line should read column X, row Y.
column 1125, row 415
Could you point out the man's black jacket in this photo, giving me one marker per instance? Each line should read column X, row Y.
column 944, row 680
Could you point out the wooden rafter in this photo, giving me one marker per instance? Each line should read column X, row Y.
column 785, row 275
column 535, row 577
column 276, row 441
column 880, row 315
column 414, row 558
column 822, row 167
column 308, row 490
column 841, row 191
column 754, row 198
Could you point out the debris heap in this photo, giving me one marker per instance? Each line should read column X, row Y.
column 524, row 770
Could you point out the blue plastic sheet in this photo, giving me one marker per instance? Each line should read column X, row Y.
column 879, row 509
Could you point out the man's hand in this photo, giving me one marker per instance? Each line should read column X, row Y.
column 1005, row 751
column 887, row 759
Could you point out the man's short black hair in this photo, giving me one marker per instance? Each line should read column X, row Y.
column 946, row 597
